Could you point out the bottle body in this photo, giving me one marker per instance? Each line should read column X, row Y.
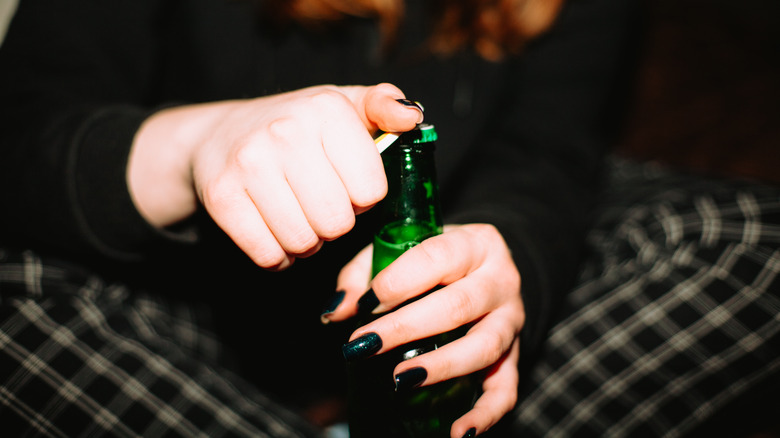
column 378, row 411
column 411, row 214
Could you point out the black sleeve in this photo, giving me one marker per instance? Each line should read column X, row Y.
column 64, row 142
column 535, row 173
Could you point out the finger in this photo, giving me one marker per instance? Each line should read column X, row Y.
column 463, row 250
column 498, row 398
column 351, row 151
column 236, row 214
column 310, row 252
column 439, row 260
column 270, row 191
column 319, row 191
column 352, row 281
column 484, row 345
column 379, row 108
column 285, row 218
column 441, row 311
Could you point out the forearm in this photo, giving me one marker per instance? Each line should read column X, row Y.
column 69, row 190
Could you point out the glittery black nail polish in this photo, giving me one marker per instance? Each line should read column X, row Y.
column 367, row 303
column 411, row 378
column 362, row 347
column 471, row 433
column 334, row 302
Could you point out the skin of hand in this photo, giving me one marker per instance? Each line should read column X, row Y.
column 482, row 286
column 279, row 174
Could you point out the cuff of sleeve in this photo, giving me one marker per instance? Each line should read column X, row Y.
column 106, row 213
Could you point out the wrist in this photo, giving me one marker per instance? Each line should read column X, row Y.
column 159, row 169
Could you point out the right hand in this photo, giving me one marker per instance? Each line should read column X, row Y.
column 279, row 174
column 481, row 285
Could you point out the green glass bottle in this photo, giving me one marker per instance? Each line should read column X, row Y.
column 410, row 214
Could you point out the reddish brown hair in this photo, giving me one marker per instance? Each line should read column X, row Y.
column 491, row 27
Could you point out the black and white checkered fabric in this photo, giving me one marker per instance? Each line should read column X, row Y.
column 82, row 358
column 676, row 317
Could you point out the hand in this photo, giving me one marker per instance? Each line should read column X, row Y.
column 482, row 286
column 279, row 174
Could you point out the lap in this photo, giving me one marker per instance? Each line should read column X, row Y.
column 82, row 357
column 676, row 315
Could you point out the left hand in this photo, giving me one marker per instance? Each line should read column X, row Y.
column 481, row 286
column 280, row 174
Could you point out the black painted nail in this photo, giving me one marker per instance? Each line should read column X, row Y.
column 410, row 379
column 471, row 433
column 334, row 302
column 415, row 105
column 367, row 303
column 362, row 347
column 411, row 104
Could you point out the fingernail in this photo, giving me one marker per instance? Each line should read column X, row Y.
column 362, row 347
column 334, row 302
column 411, row 104
column 471, row 433
column 410, row 379
column 415, row 105
column 367, row 303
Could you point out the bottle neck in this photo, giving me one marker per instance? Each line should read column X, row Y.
column 413, row 194
column 410, row 211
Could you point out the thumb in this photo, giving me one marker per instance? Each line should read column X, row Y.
column 384, row 107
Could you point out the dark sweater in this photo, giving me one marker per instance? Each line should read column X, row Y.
column 520, row 141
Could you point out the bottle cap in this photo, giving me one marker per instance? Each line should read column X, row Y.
column 427, row 133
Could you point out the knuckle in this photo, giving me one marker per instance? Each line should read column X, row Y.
column 484, row 230
column 370, row 192
column 509, row 285
column 485, row 234
column 472, row 231
column 246, row 156
column 282, row 128
column 326, row 99
column 509, row 399
column 436, row 250
column 335, row 226
column 269, row 259
column 386, row 89
column 446, row 369
column 493, row 347
column 301, row 241
column 400, row 330
column 461, row 308
column 519, row 311
column 217, row 194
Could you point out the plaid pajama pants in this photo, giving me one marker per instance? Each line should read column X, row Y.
column 676, row 319
column 82, row 358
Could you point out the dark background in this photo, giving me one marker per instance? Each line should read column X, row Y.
column 707, row 92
